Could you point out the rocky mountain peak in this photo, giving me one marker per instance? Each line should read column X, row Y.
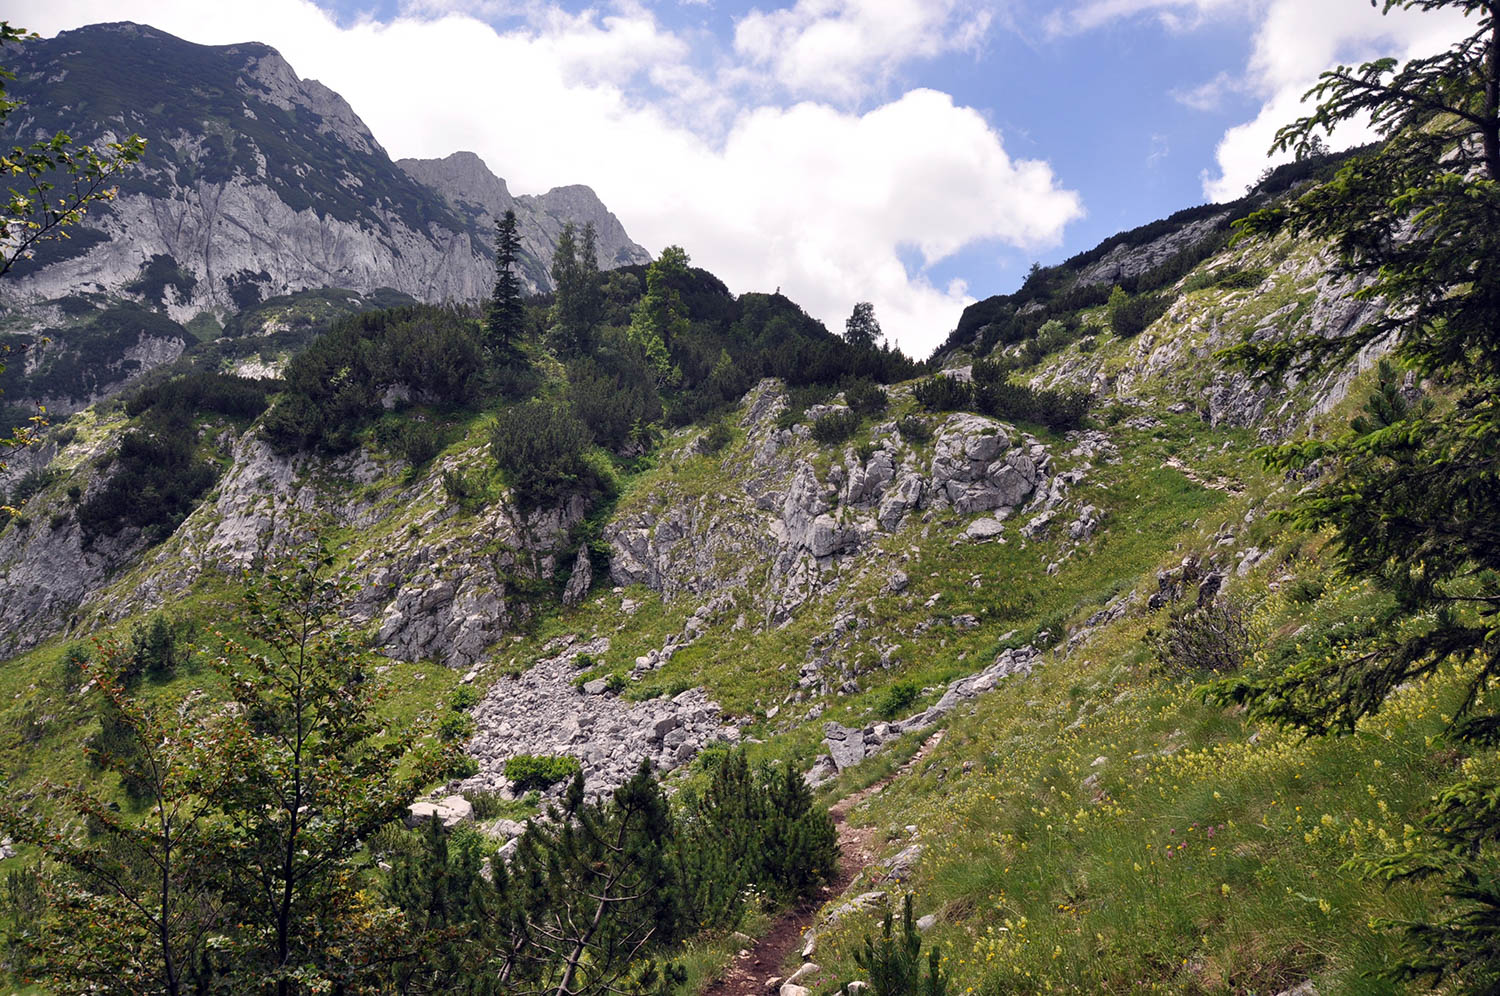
column 259, row 183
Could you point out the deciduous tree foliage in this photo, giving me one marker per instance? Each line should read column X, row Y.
column 242, row 874
column 862, row 328
column 1411, row 491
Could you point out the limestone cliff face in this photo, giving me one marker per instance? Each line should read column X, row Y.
column 469, row 186
column 258, row 183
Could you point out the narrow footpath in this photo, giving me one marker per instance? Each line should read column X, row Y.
column 748, row 973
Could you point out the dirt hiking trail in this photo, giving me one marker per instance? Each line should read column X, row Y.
column 748, row 973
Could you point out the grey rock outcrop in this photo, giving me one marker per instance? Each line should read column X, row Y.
column 807, row 525
column 1127, row 261
column 580, row 580
column 845, row 745
column 976, row 468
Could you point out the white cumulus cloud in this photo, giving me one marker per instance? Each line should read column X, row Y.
column 1293, row 42
column 844, row 49
column 824, row 198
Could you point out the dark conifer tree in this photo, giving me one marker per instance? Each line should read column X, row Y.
column 505, row 321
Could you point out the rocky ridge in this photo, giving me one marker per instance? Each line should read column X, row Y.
column 807, row 527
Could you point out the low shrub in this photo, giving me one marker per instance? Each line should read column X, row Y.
column 896, row 699
column 1131, row 316
column 542, row 448
column 718, row 436
column 894, row 965
column 943, row 393
column 455, row 726
column 864, row 397
column 1214, row 638
column 538, row 771
column 835, row 427
column 914, row 430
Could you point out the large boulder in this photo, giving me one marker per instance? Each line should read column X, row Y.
column 845, row 745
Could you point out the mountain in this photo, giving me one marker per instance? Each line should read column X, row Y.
column 474, row 192
column 973, row 600
column 257, row 183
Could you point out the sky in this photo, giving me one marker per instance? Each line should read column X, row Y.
column 918, row 154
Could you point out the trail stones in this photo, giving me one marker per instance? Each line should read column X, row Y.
column 899, row 866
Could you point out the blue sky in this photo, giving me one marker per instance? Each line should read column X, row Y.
column 915, row 153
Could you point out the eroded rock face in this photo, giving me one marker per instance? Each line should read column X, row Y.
column 807, row 526
column 978, row 467
column 285, row 190
column 1125, row 262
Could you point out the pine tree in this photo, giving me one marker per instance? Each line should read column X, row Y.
column 505, row 320
column 599, row 887
column 894, row 964
column 578, row 299
column 1411, row 491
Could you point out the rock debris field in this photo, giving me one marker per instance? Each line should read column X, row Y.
column 541, row 712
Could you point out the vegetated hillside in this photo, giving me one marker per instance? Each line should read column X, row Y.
column 1039, row 554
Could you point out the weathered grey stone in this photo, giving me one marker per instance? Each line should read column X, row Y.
column 581, row 579
column 845, row 745
column 983, row 529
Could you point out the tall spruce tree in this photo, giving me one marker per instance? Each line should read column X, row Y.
column 505, row 320
column 578, row 299
column 1412, row 491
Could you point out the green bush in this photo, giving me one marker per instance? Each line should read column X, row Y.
column 338, row 383
column 1214, row 638
column 488, row 805
column 455, row 726
column 541, row 448
column 914, row 430
column 613, row 391
column 157, row 478
column 753, row 827
column 718, row 436
column 864, row 398
column 943, row 393
column 835, row 427
column 894, row 966
column 538, row 771
column 158, row 649
column 895, row 699
column 1129, row 316
column 464, row 698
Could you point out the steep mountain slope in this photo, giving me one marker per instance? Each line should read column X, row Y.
column 257, row 183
